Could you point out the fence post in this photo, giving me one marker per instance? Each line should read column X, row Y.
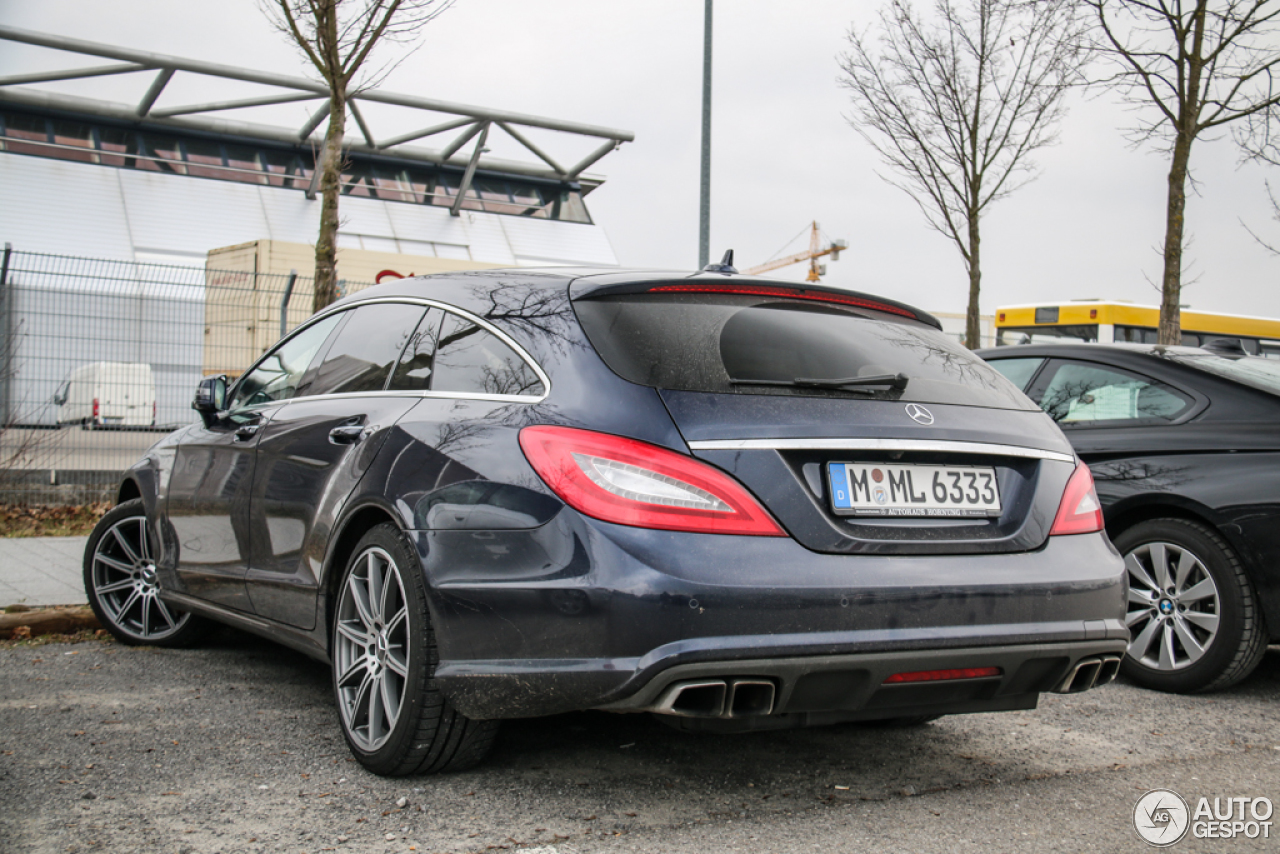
column 6, row 329
column 284, row 302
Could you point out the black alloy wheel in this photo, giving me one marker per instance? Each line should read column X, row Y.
column 120, row 580
column 395, row 720
column 1194, row 619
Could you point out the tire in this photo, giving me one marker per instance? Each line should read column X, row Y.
column 396, row 722
column 1194, row 618
column 120, row 580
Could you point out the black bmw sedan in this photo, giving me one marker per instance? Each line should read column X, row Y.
column 734, row 503
column 1184, row 444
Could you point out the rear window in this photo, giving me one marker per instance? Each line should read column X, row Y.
column 721, row 342
column 1262, row 374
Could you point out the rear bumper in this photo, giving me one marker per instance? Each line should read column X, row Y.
column 580, row 614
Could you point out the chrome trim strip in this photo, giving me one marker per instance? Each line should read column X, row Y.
column 442, row 395
column 946, row 446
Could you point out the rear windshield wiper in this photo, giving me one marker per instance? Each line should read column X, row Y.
column 893, row 381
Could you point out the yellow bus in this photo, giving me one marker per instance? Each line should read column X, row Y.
column 1119, row 322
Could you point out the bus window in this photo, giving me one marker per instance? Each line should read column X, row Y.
column 1046, row 334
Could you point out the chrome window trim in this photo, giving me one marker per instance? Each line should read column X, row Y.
column 439, row 395
column 943, row 445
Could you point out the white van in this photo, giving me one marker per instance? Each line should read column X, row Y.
column 108, row 394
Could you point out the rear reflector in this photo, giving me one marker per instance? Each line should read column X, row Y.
column 787, row 293
column 942, row 675
column 1080, row 511
column 634, row 483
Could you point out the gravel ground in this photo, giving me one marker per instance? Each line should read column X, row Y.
column 234, row 747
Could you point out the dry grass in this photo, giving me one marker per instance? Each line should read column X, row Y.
column 50, row 520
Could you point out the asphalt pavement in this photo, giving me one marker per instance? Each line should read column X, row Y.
column 235, row 747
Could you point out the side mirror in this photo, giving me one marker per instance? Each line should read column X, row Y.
column 211, row 398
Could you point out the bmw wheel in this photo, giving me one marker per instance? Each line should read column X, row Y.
column 120, row 580
column 395, row 720
column 1193, row 617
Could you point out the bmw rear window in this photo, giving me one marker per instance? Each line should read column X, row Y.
column 750, row 344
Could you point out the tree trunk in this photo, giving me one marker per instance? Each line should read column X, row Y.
column 1171, row 282
column 326, row 276
column 972, row 324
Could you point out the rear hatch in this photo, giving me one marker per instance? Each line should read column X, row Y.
column 855, row 421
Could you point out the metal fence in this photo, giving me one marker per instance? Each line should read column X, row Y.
column 100, row 358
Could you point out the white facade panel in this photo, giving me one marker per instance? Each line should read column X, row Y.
column 361, row 216
column 62, row 208
column 291, row 216
column 564, row 242
column 175, row 213
column 429, row 224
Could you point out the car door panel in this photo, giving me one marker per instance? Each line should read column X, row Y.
column 207, row 507
column 303, row 480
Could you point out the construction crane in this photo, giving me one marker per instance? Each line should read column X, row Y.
column 812, row 254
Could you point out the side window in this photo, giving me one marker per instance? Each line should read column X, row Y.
column 413, row 373
column 1079, row 393
column 470, row 359
column 277, row 376
column 364, row 350
column 1018, row 371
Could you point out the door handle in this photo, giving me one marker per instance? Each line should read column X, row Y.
column 245, row 432
column 349, row 434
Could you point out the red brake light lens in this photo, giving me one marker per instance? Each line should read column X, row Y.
column 635, row 483
column 943, row 675
column 1080, row 511
column 787, row 293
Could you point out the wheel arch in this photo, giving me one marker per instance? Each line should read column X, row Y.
column 355, row 523
column 128, row 491
column 1143, row 508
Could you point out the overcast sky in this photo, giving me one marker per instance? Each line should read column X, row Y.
column 783, row 153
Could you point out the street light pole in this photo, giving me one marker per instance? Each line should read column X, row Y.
column 704, row 206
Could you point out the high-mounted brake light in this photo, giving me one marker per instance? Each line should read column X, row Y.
column 1080, row 511
column 787, row 293
column 944, row 675
column 634, row 483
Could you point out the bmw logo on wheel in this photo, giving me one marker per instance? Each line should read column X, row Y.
column 920, row 414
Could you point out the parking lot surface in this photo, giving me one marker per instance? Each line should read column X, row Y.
column 235, row 747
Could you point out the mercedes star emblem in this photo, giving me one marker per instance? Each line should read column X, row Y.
column 920, row 414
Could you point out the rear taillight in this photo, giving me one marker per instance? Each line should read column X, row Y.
column 634, row 483
column 1080, row 511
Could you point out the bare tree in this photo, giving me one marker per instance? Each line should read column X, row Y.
column 955, row 105
column 337, row 37
column 1258, row 136
column 1198, row 65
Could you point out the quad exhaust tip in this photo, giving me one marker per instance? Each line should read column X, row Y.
column 1090, row 673
column 718, row 698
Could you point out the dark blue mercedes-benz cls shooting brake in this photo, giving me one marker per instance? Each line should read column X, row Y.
column 736, row 503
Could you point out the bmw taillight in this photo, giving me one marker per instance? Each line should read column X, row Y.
column 1080, row 511
column 629, row 482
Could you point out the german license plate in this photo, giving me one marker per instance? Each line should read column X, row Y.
column 909, row 489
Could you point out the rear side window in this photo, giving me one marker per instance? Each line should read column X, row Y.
column 364, row 350
column 470, row 359
column 722, row 342
column 1079, row 394
column 1019, row 371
